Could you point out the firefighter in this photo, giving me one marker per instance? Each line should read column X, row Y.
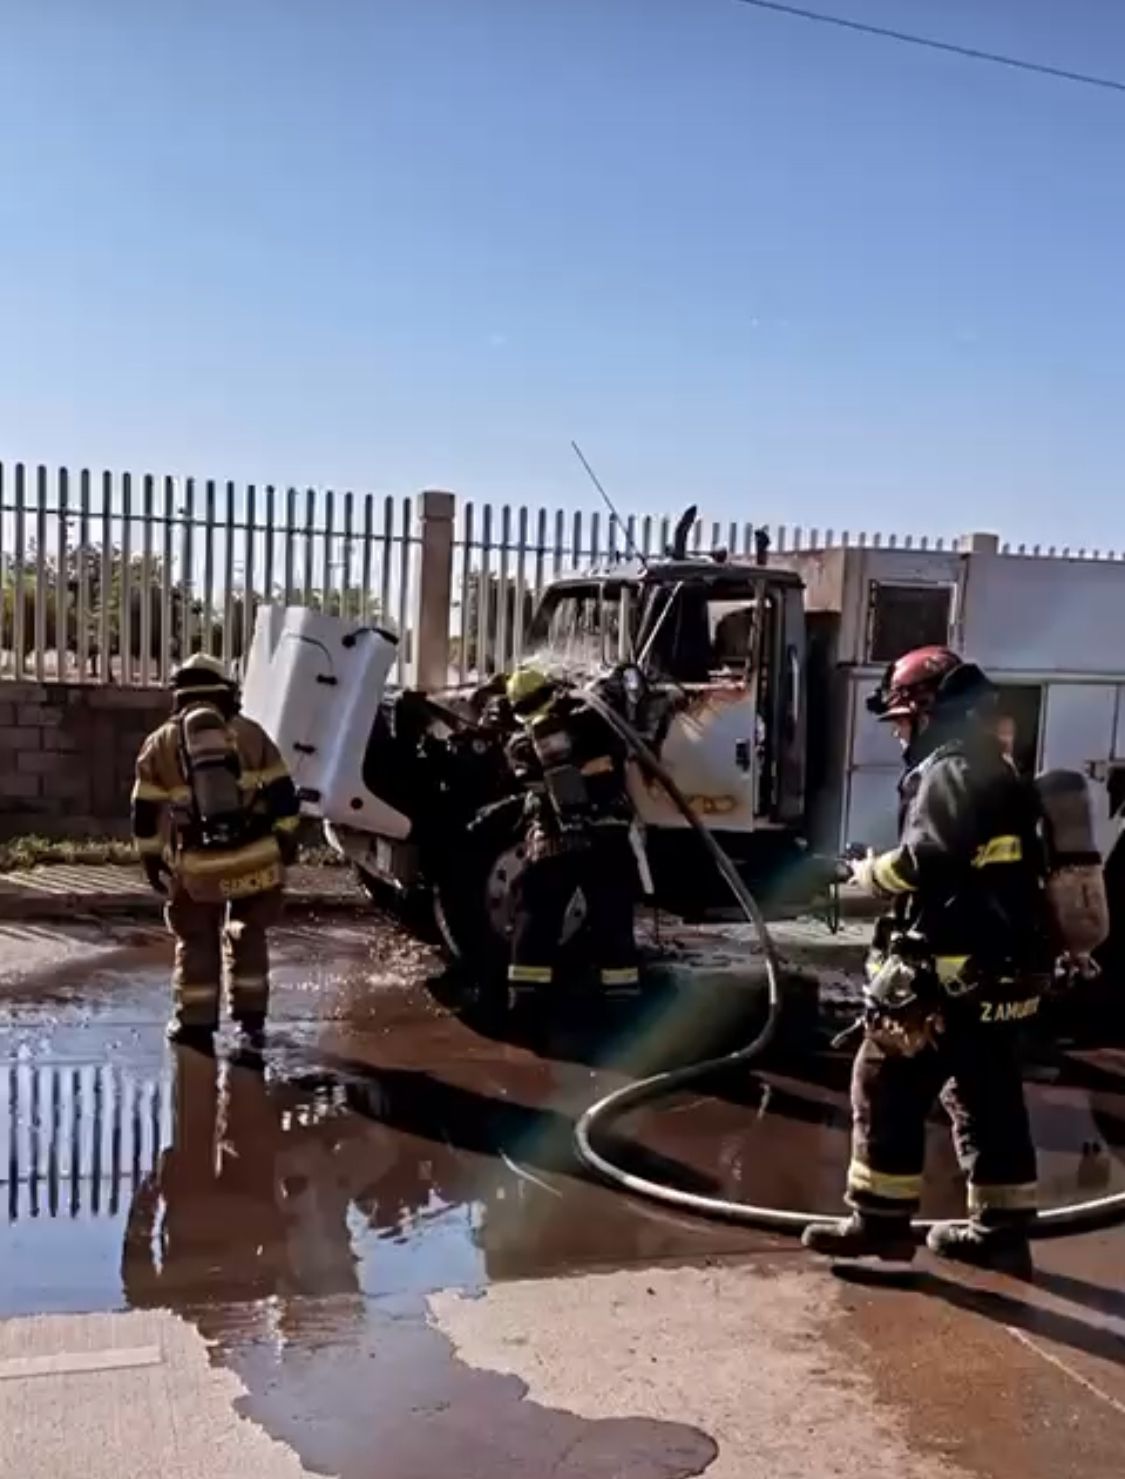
column 578, row 833
column 215, row 817
column 958, row 965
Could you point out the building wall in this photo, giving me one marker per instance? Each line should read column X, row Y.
column 66, row 756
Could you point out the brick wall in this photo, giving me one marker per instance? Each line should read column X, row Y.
column 66, row 756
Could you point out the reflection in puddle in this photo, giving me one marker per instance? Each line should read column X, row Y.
column 78, row 1138
column 297, row 1210
column 217, row 1180
column 781, row 1141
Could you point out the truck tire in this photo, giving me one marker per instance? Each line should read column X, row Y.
column 467, row 920
column 473, row 894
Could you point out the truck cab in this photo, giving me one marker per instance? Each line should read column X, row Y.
column 729, row 638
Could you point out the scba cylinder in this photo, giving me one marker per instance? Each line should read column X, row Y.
column 1075, row 886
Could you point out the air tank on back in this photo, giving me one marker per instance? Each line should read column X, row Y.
column 1075, row 886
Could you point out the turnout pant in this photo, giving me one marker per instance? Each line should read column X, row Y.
column 976, row 1073
column 606, row 872
column 211, row 936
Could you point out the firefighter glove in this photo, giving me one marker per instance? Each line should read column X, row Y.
column 862, row 870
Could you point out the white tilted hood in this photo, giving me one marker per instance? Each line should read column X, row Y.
column 314, row 683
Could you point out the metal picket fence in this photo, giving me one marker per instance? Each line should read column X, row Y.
column 112, row 577
column 505, row 556
column 80, row 1139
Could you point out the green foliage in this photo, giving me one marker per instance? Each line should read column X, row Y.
column 105, row 603
column 21, row 853
column 105, row 606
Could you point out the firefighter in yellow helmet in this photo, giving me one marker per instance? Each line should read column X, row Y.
column 215, row 817
column 579, row 816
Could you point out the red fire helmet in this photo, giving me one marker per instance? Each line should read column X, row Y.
column 910, row 685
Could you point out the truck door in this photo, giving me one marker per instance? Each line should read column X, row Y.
column 732, row 749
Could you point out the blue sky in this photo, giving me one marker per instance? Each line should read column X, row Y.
column 789, row 273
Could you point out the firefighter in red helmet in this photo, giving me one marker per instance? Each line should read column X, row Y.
column 958, row 963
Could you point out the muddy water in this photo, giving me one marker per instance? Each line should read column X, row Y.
column 298, row 1204
column 381, row 1147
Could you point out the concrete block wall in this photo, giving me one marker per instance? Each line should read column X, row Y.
column 67, row 754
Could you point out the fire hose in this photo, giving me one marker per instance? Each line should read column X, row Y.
column 1052, row 1222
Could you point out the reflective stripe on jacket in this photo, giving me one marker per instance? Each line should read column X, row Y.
column 568, row 733
column 967, row 874
column 162, row 809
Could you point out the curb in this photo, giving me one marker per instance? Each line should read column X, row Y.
column 36, row 909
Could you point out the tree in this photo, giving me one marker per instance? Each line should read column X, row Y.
column 105, row 606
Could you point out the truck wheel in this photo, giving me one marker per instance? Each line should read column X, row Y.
column 488, row 855
column 473, row 900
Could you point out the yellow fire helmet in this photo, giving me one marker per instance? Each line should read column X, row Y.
column 201, row 673
column 528, row 689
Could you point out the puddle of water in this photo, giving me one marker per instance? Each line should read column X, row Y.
column 384, row 1148
column 205, row 1180
column 297, row 1209
column 363, row 1390
column 783, row 1142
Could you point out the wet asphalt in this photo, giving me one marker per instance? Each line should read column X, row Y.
column 297, row 1204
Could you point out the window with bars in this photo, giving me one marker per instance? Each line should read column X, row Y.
column 902, row 617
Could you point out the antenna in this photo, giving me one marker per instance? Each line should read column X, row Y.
column 630, row 547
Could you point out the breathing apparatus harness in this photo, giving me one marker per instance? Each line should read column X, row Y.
column 569, row 793
column 214, row 815
column 904, row 997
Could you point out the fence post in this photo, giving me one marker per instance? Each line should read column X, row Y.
column 435, row 590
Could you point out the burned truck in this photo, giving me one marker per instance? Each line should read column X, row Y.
column 414, row 790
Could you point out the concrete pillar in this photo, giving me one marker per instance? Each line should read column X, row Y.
column 433, row 593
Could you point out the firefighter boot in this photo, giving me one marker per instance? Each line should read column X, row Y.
column 1005, row 1249
column 889, row 1238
